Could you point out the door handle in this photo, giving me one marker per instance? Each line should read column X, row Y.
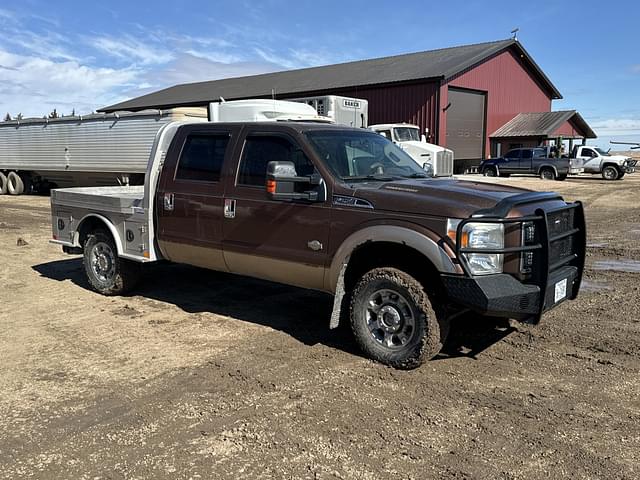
column 168, row 202
column 229, row 208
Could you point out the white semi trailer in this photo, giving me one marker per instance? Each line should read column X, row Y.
column 352, row 112
column 92, row 150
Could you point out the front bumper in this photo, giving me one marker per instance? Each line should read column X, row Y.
column 502, row 295
column 558, row 253
column 629, row 166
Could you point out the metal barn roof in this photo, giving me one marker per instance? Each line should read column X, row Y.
column 542, row 124
column 434, row 64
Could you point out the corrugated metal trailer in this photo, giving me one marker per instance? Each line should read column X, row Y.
column 97, row 149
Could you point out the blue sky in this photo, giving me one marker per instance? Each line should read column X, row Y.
column 82, row 55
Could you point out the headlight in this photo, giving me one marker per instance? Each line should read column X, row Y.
column 489, row 236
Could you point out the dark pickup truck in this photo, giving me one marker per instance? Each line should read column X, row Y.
column 335, row 209
column 527, row 161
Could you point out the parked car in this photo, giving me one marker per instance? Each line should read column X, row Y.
column 337, row 209
column 528, row 161
column 598, row 161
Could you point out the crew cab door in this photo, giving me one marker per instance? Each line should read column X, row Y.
column 283, row 241
column 511, row 162
column 591, row 160
column 190, row 195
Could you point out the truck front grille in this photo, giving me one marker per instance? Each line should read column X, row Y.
column 444, row 164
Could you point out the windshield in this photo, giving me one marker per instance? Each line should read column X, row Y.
column 353, row 155
column 602, row 152
column 407, row 134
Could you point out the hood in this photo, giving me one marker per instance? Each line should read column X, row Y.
column 440, row 197
column 617, row 158
column 429, row 147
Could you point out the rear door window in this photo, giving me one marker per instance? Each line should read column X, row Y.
column 539, row 153
column 202, row 157
column 527, row 153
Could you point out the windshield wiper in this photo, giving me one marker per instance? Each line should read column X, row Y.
column 416, row 175
column 378, row 177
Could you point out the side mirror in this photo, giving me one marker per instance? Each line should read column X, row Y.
column 282, row 179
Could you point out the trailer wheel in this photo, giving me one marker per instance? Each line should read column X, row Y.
column 610, row 173
column 15, row 185
column 393, row 319
column 107, row 273
column 3, row 184
column 547, row 174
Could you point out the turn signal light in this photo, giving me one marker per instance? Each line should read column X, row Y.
column 271, row 186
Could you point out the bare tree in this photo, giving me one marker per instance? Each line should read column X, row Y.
column 19, row 116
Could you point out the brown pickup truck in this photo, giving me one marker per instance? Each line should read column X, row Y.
column 335, row 209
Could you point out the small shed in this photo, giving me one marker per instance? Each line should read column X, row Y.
column 540, row 128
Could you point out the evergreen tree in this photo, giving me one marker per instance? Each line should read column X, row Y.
column 54, row 114
column 7, row 117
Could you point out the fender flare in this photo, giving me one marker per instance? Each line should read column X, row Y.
column 393, row 234
column 548, row 165
column 107, row 223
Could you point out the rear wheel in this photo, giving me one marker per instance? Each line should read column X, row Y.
column 394, row 320
column 106, row 271
column 490, row 172
column 3, row 184
column 547, row 174
column 610, row 173
column 15, row 185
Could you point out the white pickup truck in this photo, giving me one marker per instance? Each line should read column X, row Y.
column 598, row 161
column 436, row 160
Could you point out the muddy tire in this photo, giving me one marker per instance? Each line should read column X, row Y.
column 394, row 320
column 107, row 273
column 561, row 178
column 621, row 176
column 15, row 185
column 3, row 184
column 610, row 173
column 490, row 172
column 547, row 174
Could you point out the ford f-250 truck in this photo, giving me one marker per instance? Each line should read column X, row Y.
column 336, row 209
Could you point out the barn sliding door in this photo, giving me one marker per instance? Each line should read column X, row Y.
column 466, row 124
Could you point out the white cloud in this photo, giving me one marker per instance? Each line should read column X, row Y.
column 130, row 49
column 618, row 126
column 34, row 86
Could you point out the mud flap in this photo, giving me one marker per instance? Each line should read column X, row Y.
column 338, row 298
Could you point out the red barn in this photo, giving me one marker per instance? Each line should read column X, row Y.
column 464, row 95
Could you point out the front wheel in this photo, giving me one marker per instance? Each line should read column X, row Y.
column 490, row 172
column 610, row 173
column 107, row 273
column 394, row 320
column 561, row 178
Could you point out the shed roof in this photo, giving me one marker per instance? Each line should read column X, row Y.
column 542, row 124
column 433, row 64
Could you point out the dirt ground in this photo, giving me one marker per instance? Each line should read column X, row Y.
column 207, row 375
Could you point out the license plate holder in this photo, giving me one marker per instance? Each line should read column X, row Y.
column 560, row 290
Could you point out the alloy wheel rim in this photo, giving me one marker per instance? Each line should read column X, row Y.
column 102, row 262
column 390, row 319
